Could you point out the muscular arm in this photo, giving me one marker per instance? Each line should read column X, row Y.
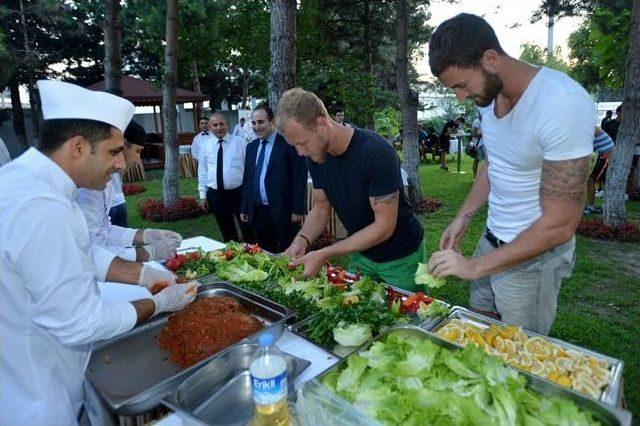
column 562, row 189
column 385, row 211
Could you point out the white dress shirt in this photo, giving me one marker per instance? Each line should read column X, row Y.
column 50, row 305
column 198, row 140
column 233, row 153
column 107, row 240
column 117, row 195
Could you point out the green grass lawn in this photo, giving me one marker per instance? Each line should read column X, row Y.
column 598, row 308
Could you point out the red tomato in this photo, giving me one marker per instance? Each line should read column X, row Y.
column 194, row 255
column 173, row 264
column 181, row 258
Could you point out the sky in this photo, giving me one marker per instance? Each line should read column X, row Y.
column 503, row 14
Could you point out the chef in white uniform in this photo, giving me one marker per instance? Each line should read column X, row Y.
column 50, row 306
column 114, row 255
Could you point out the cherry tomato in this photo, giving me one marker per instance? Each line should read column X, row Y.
column 173, row 264
column 193, row 256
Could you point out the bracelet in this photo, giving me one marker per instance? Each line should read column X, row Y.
column 304, row 238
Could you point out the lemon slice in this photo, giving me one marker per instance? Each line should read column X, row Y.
column 549, row 367
column 537, row 368
column 563, row 380
column 558, row 352
column 563, row 364
column 510, row 347
column 526, row 361
column 539, row 347
column 491, row 350
column 587, row 388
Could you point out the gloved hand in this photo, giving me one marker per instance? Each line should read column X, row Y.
column 154, row 236
column 155, row 279
column 175, row 297
column 160, row 250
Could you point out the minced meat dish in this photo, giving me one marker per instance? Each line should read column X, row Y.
column 205, row 327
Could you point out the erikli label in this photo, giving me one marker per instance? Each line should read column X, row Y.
column 270, row 390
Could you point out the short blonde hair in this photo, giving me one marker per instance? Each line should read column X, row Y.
column 301, row 105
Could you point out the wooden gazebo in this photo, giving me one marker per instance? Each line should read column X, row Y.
column 142, row 93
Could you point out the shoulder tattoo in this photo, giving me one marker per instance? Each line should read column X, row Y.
column 386, row 199
column 565, row 180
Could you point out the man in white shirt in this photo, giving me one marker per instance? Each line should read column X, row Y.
column 50, row 305
column 537, row 127
column 200, row 138
column 117, row 251
column 240, row 130
column 220, row 173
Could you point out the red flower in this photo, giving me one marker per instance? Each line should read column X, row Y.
column 184, row 208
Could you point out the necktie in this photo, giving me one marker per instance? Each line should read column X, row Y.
column 219, row 179
column 256, row 178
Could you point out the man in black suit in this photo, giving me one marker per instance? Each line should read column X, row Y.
column 274, row 185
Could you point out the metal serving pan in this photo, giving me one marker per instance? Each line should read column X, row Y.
column 220, row 392
column 132, row 373
column 610, row 395
column 605, row 414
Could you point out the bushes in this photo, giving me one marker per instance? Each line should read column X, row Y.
column 155, row 211
column 132, row 189
column 629, row 232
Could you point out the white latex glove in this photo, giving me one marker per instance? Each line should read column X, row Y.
column 155, row 279
column 160, row 250
column 175, row 297
column 154, row 236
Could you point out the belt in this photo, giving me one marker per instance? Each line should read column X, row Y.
column 495, row 241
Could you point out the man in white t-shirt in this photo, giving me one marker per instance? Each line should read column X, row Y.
column 537, row 127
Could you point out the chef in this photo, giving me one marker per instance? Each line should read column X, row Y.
column 114, row 256
column 50, row 306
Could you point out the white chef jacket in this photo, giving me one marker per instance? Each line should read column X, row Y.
column 197, row 143
column 50, row 305
column 233, row 153
column 107, row 240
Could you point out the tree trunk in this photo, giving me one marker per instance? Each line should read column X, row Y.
column 35, row 114
column 197, row 106
column 368, row 67
column 629, row 133
column 113, row 48
column 245, row 88
column 408, row 103
column 18, row 114
column 171, row 180
column 282, row 46
column 550, row 25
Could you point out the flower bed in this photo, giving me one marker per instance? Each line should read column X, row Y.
column 155, row 211
column 132, row 189
column 427, row 205
column 629, row 232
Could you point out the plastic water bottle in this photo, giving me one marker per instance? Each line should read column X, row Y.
column 268, row 371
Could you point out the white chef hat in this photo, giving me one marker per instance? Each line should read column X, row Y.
column 67, row 101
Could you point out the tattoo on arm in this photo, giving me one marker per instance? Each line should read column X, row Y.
column 386, row 199
column 565, row 180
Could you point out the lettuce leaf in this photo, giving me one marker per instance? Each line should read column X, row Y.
column 425, row 278
column 352, row 334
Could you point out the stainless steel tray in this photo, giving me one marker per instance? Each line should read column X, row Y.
column 611, row 394
column 605, row 414
column 220, row 392
column 131, row 372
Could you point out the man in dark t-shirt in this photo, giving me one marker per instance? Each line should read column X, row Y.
column 611, row 126
column 358, row 174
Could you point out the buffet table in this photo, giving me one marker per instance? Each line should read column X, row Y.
column 132, row 376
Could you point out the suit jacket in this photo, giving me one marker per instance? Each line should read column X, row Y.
column 285, row 181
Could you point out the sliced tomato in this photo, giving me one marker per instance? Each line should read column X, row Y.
column 193, row 256
column 173, row 264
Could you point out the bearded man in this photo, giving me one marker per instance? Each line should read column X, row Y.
column 537, row 128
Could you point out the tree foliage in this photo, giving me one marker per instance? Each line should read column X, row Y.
column 537, row 55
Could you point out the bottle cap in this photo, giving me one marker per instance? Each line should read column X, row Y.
column 265, row 339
